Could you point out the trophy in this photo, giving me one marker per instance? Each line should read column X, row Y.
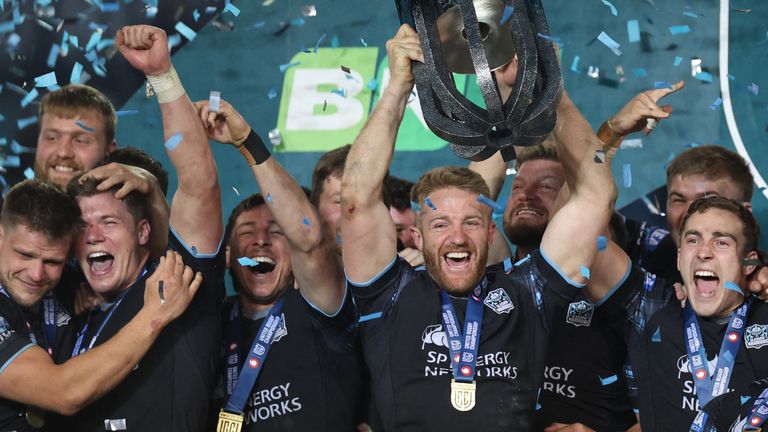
column 479, row 37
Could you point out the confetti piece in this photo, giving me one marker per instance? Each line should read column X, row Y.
column 609, row 42
column 17, row 148
column 29, row 173
column 214, row 100
column 77, row 70
column 744, row 399
column 185, row 31
column 173, row 141
column 632, row 143
column 692, row 14
column 325, row 104
column 704, row 77
column 53, row 55
column 662, row 84
column 584, row 271
column 247, row 262
column 274, row 137
column 309, row 11
column 229, row 7
column 298, row 22
column 373, row 84
column 482, row 199
column 29, row 98
column 430, row 204
column 11, row 162
column 237, row 192
column 751, row 262
column 508, row 11
column 627, row 172
column 614, row 12
column 24, row 122
column 575, row 64
column 306, row 221
column 656, row 336
column 272, row 94
column 196, row 15
column 346, row 69
column 74, row 41
column 679, row 29
column 317, row 44
column 754, row 89
column 340, row 91
column 640, row 72
column 46, row 80
column 268, row 198
column 126, row 113
column 286, row 66
column 713, row 106
column 335, row 41
column 593, row 72
column 609, row 380
column 602, row 243
column 83, row 126
column 362, row 41
column 93, row 40
column 733, row 287
column 677, row 62
column 600, row 156
column 415, row 207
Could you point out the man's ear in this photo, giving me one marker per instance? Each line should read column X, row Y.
column 491, row 232
column 417, row 237
column 749, row 269
column 143, row 230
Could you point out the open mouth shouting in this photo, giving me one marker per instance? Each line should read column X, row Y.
column 265, row 265
column 457, row 260
column 100, row 263
column 706, row 283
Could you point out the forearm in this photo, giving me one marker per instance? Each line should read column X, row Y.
column 159, row 216
column 494, row 171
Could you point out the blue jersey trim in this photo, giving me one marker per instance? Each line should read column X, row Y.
column 373, row 279
column 195, row 253
column 18, row 353
column 560, row 272
column 617, row 286
column 333, row 315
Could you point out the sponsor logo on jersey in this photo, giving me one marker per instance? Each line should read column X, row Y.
column 435, row 335
column 684, row 366
column 258, row 349
column 580, row 314
column 756, row 336
column 498, row 300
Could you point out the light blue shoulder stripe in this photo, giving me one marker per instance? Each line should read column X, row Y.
column 18, row 353
column 373, row 279
column 560, row 272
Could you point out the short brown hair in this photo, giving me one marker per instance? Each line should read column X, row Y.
column 42, row 207
column 330, row 164
column 714, row 162
column 450, row 176
column 73, row 99
column 137, row 204
column 547, row 150
column 243, row 206
column 750, row 228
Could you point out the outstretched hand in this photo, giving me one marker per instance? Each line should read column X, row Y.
column 634, row 116
column 130, row 178
column 145, row 47
column 170, row 289
column 402, row 50
column 226, row 126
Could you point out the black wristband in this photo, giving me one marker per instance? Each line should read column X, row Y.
column 255, row 146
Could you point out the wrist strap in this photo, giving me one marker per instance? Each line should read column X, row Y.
column 253, row 149
column 166, row 86
column 608, row 135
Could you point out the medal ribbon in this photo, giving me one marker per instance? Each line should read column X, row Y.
column 464, row 347
column 708, row 387
column 255, row 361
column 50, row 306
column 759, row 412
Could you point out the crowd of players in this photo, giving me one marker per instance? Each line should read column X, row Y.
column 368, row 302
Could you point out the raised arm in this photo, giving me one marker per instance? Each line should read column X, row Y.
column 315, row 264
column 33, row 379
column 368, row 233
column 494, row 172
column 196, row 207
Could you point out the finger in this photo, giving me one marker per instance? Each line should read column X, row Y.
column 660, row 93
column 119, row 38
column 178, row 269
column 211, row 119
column 186, row 277
column 406, row 30
column 109, row 182
column 170, row 262
column 146, row 37
column 554, row 427
column 124, row 190
column 193, row 287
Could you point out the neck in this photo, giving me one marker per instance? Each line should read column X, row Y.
column 252, row 308
column 114, row 294
column 522, row 251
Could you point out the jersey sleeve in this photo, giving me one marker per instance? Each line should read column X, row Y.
column 12, row 344
column 212, row 266
column 376, row 297
column 552, row 290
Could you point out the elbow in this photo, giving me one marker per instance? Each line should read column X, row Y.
column 68, row 403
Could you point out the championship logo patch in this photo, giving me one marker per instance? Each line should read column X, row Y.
column 282, row 330
column 5, row 329
column 62, row 318
column 580, row 313
column 756, row 336
column 498, row 300
column 654, row 238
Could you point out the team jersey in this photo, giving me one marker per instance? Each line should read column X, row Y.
column 584, row 379
column 312, row 377
column 170, row 389
column 653, row 249
column 406, row 346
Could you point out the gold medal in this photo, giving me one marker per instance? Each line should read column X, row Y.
column 229, row 422
column 463, row 395
column 35, row 417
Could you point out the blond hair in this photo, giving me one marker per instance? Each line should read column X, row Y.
column 445, row 177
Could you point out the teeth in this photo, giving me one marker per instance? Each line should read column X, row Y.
column 529, row 211
column 705, row 273
column 263, row 259
column 97, row 255
column 63, row 168
column 458, row 255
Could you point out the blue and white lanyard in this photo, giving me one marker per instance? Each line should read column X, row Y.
column 464, row 346
column 709, row 387
column 759, row 412
column 50, row 306
column 242, row 383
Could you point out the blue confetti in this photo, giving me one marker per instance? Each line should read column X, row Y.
column 677, row 62
column 662, row 84
column 229, row 7
column 74, row 41
column 94, row 39
column 609, row 42
column 602, row 243
column 24, row 122
column 362, row 41
column 609, row 380
column 306, row 221
column 550, row 38
column 482, row 199
column 614, row 12
column 174, row 141
column 430, row 204
column 640, row 72
column 733, row 287
column 754, row 89
column 335, row 41
column 575, row 64
column 298, row 22
column 126, row 113
column 110, row 7
column 29, row 173
column 584, row 271
column 415, row 207
column 286, row 66
column 713, row 106
column 10, row 161
column 704, row 77
column 508, row 11
column 7, row 26
column 77, row 71
column 656, row 336
column 627, row 173
column 83, row 126
column 633, row 29
column 53, row 55
column 17, row 148
column 196, row 15
column 692, row 144
column 46, row 80
column 29, row 98
column 258, row 24
column 745, row 399
column 185, row 31
column 339, row 91
column 339, row 240
column 272, row 94
column 692, row 14
column 247, row 262
column 373, row 84
column 680, row 29
column 268, row 198
column 317, row 44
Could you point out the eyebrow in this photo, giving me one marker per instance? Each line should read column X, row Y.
column 714, row 234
